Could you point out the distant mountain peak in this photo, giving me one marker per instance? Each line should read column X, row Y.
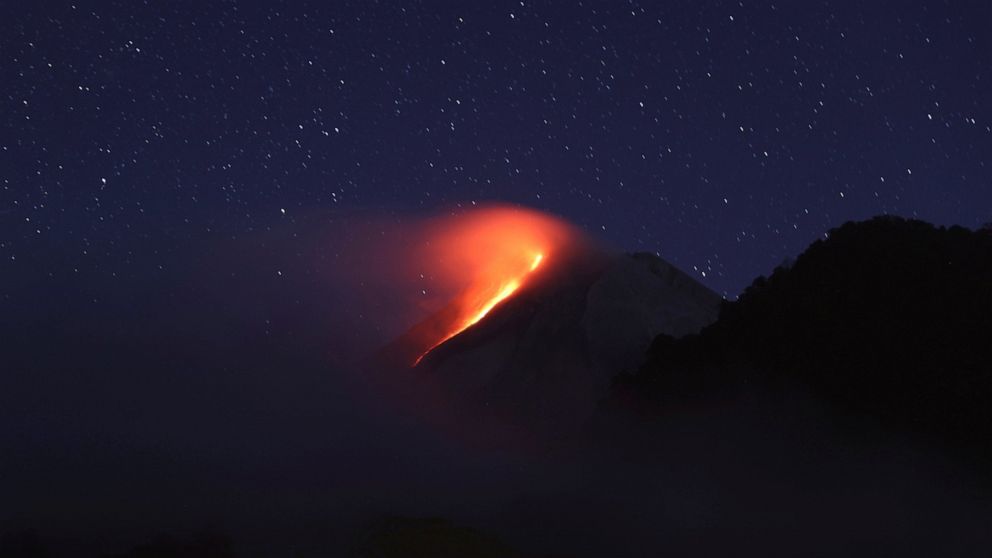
column 544, row 356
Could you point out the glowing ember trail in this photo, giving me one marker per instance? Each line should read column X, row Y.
column 504, row 291
column 481, row 257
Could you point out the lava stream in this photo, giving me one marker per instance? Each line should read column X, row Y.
column 478, row 301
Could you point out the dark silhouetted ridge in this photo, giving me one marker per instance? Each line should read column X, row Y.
column 891, row 318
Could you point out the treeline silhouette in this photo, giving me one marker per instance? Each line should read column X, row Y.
column 888, row 318
column 203, row 544
column 29, row 543
column 387, row 537
column 431, row 537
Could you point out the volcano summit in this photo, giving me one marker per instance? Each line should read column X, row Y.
column 536, row 348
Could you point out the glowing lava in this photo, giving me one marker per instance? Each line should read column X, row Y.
column 488, row 302
column 484, row 256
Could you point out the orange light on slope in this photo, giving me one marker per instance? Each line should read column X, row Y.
column 470, row 261
column 480, row 301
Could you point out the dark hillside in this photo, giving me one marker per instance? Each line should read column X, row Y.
column 890, row 318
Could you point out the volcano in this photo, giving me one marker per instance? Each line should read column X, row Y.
column 543, row 351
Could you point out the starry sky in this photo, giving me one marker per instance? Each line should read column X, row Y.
column 725, row 136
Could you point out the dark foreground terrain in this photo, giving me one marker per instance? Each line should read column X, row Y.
column 888, row 319
column 839, row 407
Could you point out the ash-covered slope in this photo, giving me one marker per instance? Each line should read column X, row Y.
column 543, row 358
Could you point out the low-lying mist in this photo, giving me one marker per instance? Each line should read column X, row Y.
column 224, row 392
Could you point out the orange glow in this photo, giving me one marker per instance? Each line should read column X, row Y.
column 488, row 302
column 484, row 256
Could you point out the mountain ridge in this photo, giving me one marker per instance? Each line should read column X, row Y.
column 889, row 318
column 543, row 358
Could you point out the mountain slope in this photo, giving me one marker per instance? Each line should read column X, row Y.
column 543, row 358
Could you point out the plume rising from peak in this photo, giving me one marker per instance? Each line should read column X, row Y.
column 538, row 322
column 484, row 257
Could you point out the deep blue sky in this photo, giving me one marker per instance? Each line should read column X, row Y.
column 724, row 136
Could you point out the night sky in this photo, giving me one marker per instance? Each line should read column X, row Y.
column 188, row 189
column 724, row 136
